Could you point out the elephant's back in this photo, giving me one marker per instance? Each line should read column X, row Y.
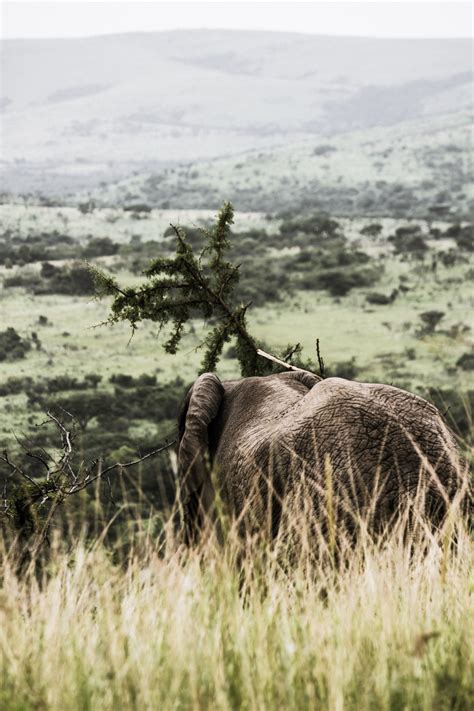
column 382, row 442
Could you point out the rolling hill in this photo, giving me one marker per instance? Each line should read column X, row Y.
column 79, row 111
column 416, row 168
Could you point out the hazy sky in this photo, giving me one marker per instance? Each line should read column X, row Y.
column 376, row 19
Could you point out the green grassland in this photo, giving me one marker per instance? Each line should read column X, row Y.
column 383, row 340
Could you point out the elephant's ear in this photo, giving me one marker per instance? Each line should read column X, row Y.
column 200, row 408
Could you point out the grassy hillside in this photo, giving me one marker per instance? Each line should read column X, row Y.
column 417, row 168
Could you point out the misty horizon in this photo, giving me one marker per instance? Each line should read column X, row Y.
column 227, row 30
column 417, row 20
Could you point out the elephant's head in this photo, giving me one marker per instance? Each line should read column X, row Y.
column 273, row 428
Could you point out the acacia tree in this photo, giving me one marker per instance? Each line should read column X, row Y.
column 189, row 285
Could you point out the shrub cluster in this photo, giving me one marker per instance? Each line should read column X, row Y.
column 50, row 246
column 74, row 279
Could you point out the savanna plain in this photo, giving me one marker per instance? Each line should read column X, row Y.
column 361, row 238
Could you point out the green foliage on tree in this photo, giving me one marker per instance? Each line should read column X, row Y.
column 189, row 285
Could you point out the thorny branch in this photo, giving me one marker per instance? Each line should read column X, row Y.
column 64, row 477
column 188, row 285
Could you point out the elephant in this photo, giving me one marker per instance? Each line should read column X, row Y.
column 275, row 449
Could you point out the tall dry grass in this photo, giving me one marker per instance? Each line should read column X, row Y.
column 381, row 626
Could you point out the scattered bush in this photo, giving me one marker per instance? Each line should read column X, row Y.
column 324, row 150
column 430, row 320
column 12, row 345
column 464, row 237
column 317, row 224
column 372, row 230
column 99, row 247
column 456, row 407
column 15, row 386
column 26, row 279
column 377, row 298
column 51, row 246
column 128, row 381
column 340, row 281
column 48, row 271
column 75, row 279
column 407, row 241
column 87, row 207
column 466, row 361
column 137, row 207
column 344, row 369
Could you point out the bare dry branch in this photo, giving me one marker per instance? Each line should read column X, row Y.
column 64, row 478
column 283, row 363
column 320, row 359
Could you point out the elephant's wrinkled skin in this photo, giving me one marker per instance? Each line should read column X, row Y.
column 269, row 439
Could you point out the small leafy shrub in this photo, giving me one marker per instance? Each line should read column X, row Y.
column 376, row 298
column 344, row 369
column 372, row 230
column 430, row 320
column 466, row 361
column 324, row 150
column 12, row 345
column 339, row 281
